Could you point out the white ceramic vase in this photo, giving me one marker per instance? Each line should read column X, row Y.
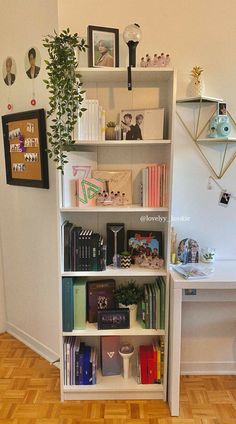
column 197, row 87
column 132, row 313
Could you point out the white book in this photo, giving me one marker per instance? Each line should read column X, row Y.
column 103, row 125
column 95, row 119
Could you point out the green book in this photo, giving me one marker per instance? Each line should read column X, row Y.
column 158, row 305
column 67, row 304
column 162, row 286
column 80, row 303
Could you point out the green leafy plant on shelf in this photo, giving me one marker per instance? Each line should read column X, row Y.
column 129, row 294
column 65, row 89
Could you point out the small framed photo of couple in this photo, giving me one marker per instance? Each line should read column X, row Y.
column 142, row 124
column 222, row 108
column 103, row 48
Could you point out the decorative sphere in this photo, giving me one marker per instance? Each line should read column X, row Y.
column 127, row 348
column 33, row 102
column 132, row 33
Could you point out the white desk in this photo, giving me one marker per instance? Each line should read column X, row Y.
column 223, row 277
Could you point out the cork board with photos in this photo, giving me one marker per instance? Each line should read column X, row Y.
column 25, row 148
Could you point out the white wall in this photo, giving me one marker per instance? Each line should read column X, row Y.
column 191, row 33
column 28, row 215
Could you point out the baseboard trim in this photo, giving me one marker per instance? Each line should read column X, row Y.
column 33, row 344
column 208, row 368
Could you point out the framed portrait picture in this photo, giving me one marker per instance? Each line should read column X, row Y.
column 103, row 50
column 142, row 124
column 24, row 136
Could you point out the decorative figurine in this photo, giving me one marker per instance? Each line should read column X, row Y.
column 158, row 61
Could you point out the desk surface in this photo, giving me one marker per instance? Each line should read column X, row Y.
column 223, row 276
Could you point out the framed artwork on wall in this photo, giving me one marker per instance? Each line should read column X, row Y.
column 103, row 48
column 25, row 144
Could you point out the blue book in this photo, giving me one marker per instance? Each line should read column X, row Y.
column 81, row 364
column 86, row 366
column 67, row 304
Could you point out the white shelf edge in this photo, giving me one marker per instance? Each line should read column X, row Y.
column 105, row 209
column 116, row 272
column 136, row 330
column 217, row 139
column 111, row 383
column 111, row 143
column 198, row 99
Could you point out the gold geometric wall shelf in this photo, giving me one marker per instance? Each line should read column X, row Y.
column 218, row 153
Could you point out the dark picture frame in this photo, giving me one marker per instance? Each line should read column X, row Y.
column 25, row 143
column 108, row 39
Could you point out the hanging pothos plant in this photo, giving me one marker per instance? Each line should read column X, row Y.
column 65, row 90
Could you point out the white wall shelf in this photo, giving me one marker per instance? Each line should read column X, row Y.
column 225, row 155
column 120, row 209
column 134, row 271
column 135, row 330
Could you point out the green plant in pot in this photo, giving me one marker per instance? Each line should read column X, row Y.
column 128, row 296
column 111, row 130
column 65, row 89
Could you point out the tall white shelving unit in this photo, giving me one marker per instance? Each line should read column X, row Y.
column 152, row 88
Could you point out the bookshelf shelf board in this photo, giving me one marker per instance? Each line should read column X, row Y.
column 105, row 209
column 199, row 99
column 136, row 330
column 134, row 271
column 124, row 143
column 111, row 382
column 217, row 140
column 112, row 75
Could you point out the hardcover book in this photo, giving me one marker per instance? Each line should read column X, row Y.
column 100, row 295
column 110, row 358
column 117, row 181
column 80, row 303
column 67, row 304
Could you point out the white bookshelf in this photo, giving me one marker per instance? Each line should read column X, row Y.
column 152, row 88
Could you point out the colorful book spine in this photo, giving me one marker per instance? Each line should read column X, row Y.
column 67, row 304
column 80, row 303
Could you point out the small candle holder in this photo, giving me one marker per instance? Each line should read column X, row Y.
column 207, row 254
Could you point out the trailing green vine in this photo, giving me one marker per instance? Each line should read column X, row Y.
column 65, row 91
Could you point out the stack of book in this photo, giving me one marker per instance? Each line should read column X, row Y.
column 80, row 362
column 155, row 186
column 91, row 125
column 150, row 365
column 152, row 308
column 83, row 249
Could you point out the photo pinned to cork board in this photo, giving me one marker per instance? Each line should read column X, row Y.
column 25, row 146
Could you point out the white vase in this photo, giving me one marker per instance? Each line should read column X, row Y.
column 197, row 87
column 132, row 313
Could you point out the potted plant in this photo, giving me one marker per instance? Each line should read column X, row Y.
column 128, row 296
column 111, row 130
column 197, row 84
column 65, row 90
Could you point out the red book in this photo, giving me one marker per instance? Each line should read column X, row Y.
column 143, row 364
column 150, row 362
column 158, row 185
column 149, row 186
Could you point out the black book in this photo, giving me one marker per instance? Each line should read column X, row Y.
column 67, row 242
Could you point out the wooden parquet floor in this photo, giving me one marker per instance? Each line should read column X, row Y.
column 29, row 394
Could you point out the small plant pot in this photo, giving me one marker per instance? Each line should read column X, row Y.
column 125, row 261
column 110, row 133
column 132, row 313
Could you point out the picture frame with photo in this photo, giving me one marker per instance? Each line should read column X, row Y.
column 25, row 143
column 103, row 47
column 222, row 108
column 142, row 124
column 146, row 248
